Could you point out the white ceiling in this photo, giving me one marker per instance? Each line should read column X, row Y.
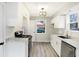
column 50, row 7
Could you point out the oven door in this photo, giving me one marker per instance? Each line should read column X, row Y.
column 67, row 50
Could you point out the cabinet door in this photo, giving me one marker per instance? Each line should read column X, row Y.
column 56, row 43
column 60, row 22
column 12, row 13
column 16, row 47
column 58, row 46
column 53, row 41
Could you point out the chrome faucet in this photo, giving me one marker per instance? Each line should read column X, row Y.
column 67, row 35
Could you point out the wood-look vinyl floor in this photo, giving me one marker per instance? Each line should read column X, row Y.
column 42, row 50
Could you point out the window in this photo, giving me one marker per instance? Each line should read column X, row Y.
column 73, row 21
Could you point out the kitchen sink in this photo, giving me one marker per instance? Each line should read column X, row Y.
column 64, row 37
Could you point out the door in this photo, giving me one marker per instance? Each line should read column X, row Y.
column 39, row 31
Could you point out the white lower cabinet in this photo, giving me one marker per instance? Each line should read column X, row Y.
column 56, row 44
column 17, row 47
column 1, row 50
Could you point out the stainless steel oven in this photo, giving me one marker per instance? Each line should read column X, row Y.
column 67, row 50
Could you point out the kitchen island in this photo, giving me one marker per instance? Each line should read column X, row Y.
column 16, row 47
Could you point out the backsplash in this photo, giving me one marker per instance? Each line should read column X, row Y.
column 58, row 31
column 10, row 31
column 61, row 31
column 74, row 34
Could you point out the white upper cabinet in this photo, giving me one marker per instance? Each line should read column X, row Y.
column 12, row 13
column 59, row 21
column 15, row 13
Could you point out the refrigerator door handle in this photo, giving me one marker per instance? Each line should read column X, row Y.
column 2, row 43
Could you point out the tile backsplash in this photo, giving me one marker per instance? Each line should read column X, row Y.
column 74, row 34
column 10, row 31
column 61, row 31
column 58, row 31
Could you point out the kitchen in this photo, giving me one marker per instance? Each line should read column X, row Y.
column 28, row 27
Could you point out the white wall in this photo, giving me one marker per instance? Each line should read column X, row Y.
column 33, row 30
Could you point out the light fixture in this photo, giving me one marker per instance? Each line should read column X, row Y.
column 42, row 12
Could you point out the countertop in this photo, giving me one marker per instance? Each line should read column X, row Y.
column 16, row 47
column 17, row 39
column 73, row 42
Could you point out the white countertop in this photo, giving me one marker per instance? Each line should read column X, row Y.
column 73, row 42
column 16, row 39
column 16, row 47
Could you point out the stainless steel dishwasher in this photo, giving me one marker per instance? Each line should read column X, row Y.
column 67, row 50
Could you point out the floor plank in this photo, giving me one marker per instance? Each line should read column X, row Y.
column 42, row 50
